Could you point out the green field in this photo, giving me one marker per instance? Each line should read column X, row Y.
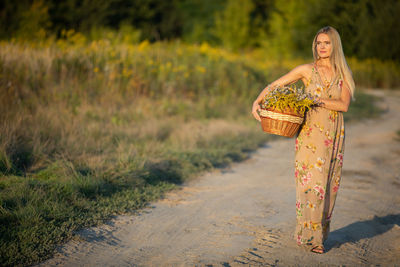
column 93, row 129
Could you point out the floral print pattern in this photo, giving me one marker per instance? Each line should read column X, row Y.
column 318, row 163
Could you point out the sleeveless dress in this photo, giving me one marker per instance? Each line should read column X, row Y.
column 318, row 163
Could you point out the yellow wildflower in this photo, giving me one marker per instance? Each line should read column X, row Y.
column 201, row 69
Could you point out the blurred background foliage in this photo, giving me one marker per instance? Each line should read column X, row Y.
column 285, row 28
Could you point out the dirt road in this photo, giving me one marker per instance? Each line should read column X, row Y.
column 246, row 215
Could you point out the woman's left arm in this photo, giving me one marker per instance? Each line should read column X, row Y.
column 341, row 104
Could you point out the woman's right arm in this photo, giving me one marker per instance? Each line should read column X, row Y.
column 294, row 75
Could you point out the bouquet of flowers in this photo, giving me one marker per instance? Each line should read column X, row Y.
column 283, row 109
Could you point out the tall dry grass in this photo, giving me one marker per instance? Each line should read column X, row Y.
column 62, row 100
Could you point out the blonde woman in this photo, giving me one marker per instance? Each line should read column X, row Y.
column 320, row 142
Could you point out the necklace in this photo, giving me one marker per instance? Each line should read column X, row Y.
column 325, row 80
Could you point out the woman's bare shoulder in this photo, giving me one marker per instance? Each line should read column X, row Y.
column 305, row 69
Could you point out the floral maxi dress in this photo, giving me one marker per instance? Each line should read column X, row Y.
column 318, row 164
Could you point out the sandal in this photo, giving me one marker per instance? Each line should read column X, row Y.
column 318, row 249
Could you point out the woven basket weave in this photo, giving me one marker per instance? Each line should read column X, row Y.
column 285, row 123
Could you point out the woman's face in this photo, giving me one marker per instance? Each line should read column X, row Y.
column 324, row 46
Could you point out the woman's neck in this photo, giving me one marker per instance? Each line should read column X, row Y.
column 325, row 62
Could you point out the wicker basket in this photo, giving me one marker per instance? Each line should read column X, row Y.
column 285, row 123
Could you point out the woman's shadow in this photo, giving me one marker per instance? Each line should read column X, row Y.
column 360, row 230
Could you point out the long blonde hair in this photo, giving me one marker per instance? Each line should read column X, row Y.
column 338, row 61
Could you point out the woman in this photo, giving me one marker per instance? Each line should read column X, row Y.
column 320, row 142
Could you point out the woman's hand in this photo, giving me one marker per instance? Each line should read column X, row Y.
column 255, row 109
column 341, row 104
column 320, row 102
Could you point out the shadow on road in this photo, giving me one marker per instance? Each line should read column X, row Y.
column 363, row 229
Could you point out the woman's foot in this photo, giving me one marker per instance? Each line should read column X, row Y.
column 318, row 249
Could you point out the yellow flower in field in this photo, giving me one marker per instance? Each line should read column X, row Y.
column 96, row 69
column 126, row 72
column 179, row 51
column 201, row 69
column 93, row 45
column 143, row 45
column 204, row 47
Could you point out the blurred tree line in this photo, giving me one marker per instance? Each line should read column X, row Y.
column 285, row 28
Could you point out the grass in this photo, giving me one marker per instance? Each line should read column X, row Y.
column 90, row 130
column 363, row 107
column 43, row 209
